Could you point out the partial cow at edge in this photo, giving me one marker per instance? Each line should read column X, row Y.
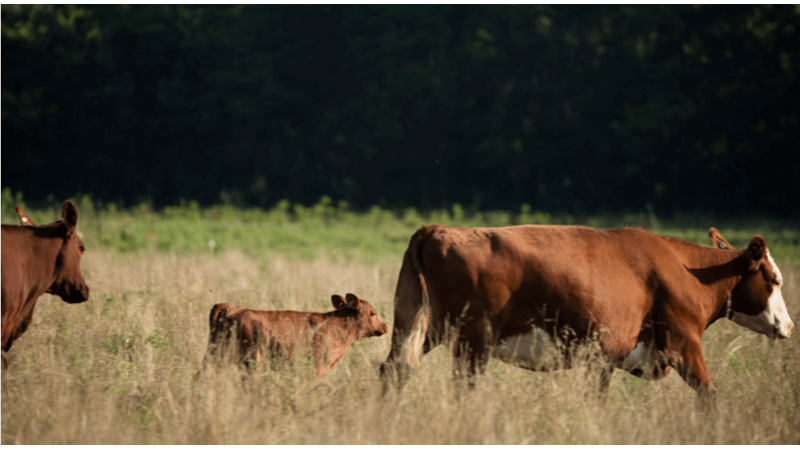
column 38, row 260
column 247, row 336
column 647, row 299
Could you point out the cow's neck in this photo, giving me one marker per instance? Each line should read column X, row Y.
column 720, row 271
column 44, row 245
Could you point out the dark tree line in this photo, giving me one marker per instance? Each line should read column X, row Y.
column 567, row 108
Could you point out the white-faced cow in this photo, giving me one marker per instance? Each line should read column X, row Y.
column 38, row 260
column 241, row 336
column 646, row 298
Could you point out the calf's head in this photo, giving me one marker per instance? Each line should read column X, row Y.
column 68, row 283
column 756, row 301
column 368, row 323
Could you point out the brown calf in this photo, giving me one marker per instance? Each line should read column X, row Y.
column 38, row 260
column 239, row 335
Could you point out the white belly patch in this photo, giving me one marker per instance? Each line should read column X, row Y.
column 534, row 350
column 643, row 359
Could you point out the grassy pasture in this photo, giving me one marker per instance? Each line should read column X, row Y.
column 119, row 368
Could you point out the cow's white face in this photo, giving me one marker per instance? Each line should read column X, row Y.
column 773, row 320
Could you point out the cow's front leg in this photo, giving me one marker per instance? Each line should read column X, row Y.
column 689, row 362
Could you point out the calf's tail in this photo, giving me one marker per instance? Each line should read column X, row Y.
column 219, row 338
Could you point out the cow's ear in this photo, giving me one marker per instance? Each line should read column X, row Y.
column 338, row 301
column 69, row 212
column 70, row 215
column 352, row 301
column 24, row 219
column 718, row 241
column 756, row 251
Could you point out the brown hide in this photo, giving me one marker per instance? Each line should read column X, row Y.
column 241, row 336
column 621, row 286
column 38, row 260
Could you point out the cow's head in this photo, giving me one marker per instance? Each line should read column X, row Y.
column 68, row 283
column 756, row 301
column 367, row 321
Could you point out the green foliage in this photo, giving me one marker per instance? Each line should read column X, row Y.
column 9, row 201
column 307, row 231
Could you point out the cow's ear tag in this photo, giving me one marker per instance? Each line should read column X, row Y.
column 24, row 219
column 721, row 245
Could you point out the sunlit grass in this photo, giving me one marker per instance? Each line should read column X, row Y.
column 120, row 368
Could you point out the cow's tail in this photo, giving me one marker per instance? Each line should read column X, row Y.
column 419, row 329
column 412, row 313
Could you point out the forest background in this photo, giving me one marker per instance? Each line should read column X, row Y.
column 567, row 108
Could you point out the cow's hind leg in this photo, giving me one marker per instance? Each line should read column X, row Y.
column 605, row 380
column 410, row 342
column 470, row 351
column 603, row 366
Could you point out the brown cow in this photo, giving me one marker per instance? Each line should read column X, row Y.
column 646, row 298
column 35, row 260
column 244, row 335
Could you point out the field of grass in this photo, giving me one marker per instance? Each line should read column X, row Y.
column 119, row 368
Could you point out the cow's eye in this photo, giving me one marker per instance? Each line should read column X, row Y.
column 776, row 282
column 372, row 313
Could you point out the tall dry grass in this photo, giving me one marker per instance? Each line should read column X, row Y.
column 119, row 370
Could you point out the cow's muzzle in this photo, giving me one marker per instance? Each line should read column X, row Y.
column 77, row 296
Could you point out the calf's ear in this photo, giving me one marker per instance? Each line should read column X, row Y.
column 352, row 301
column 756, row 251
column 338, row 301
